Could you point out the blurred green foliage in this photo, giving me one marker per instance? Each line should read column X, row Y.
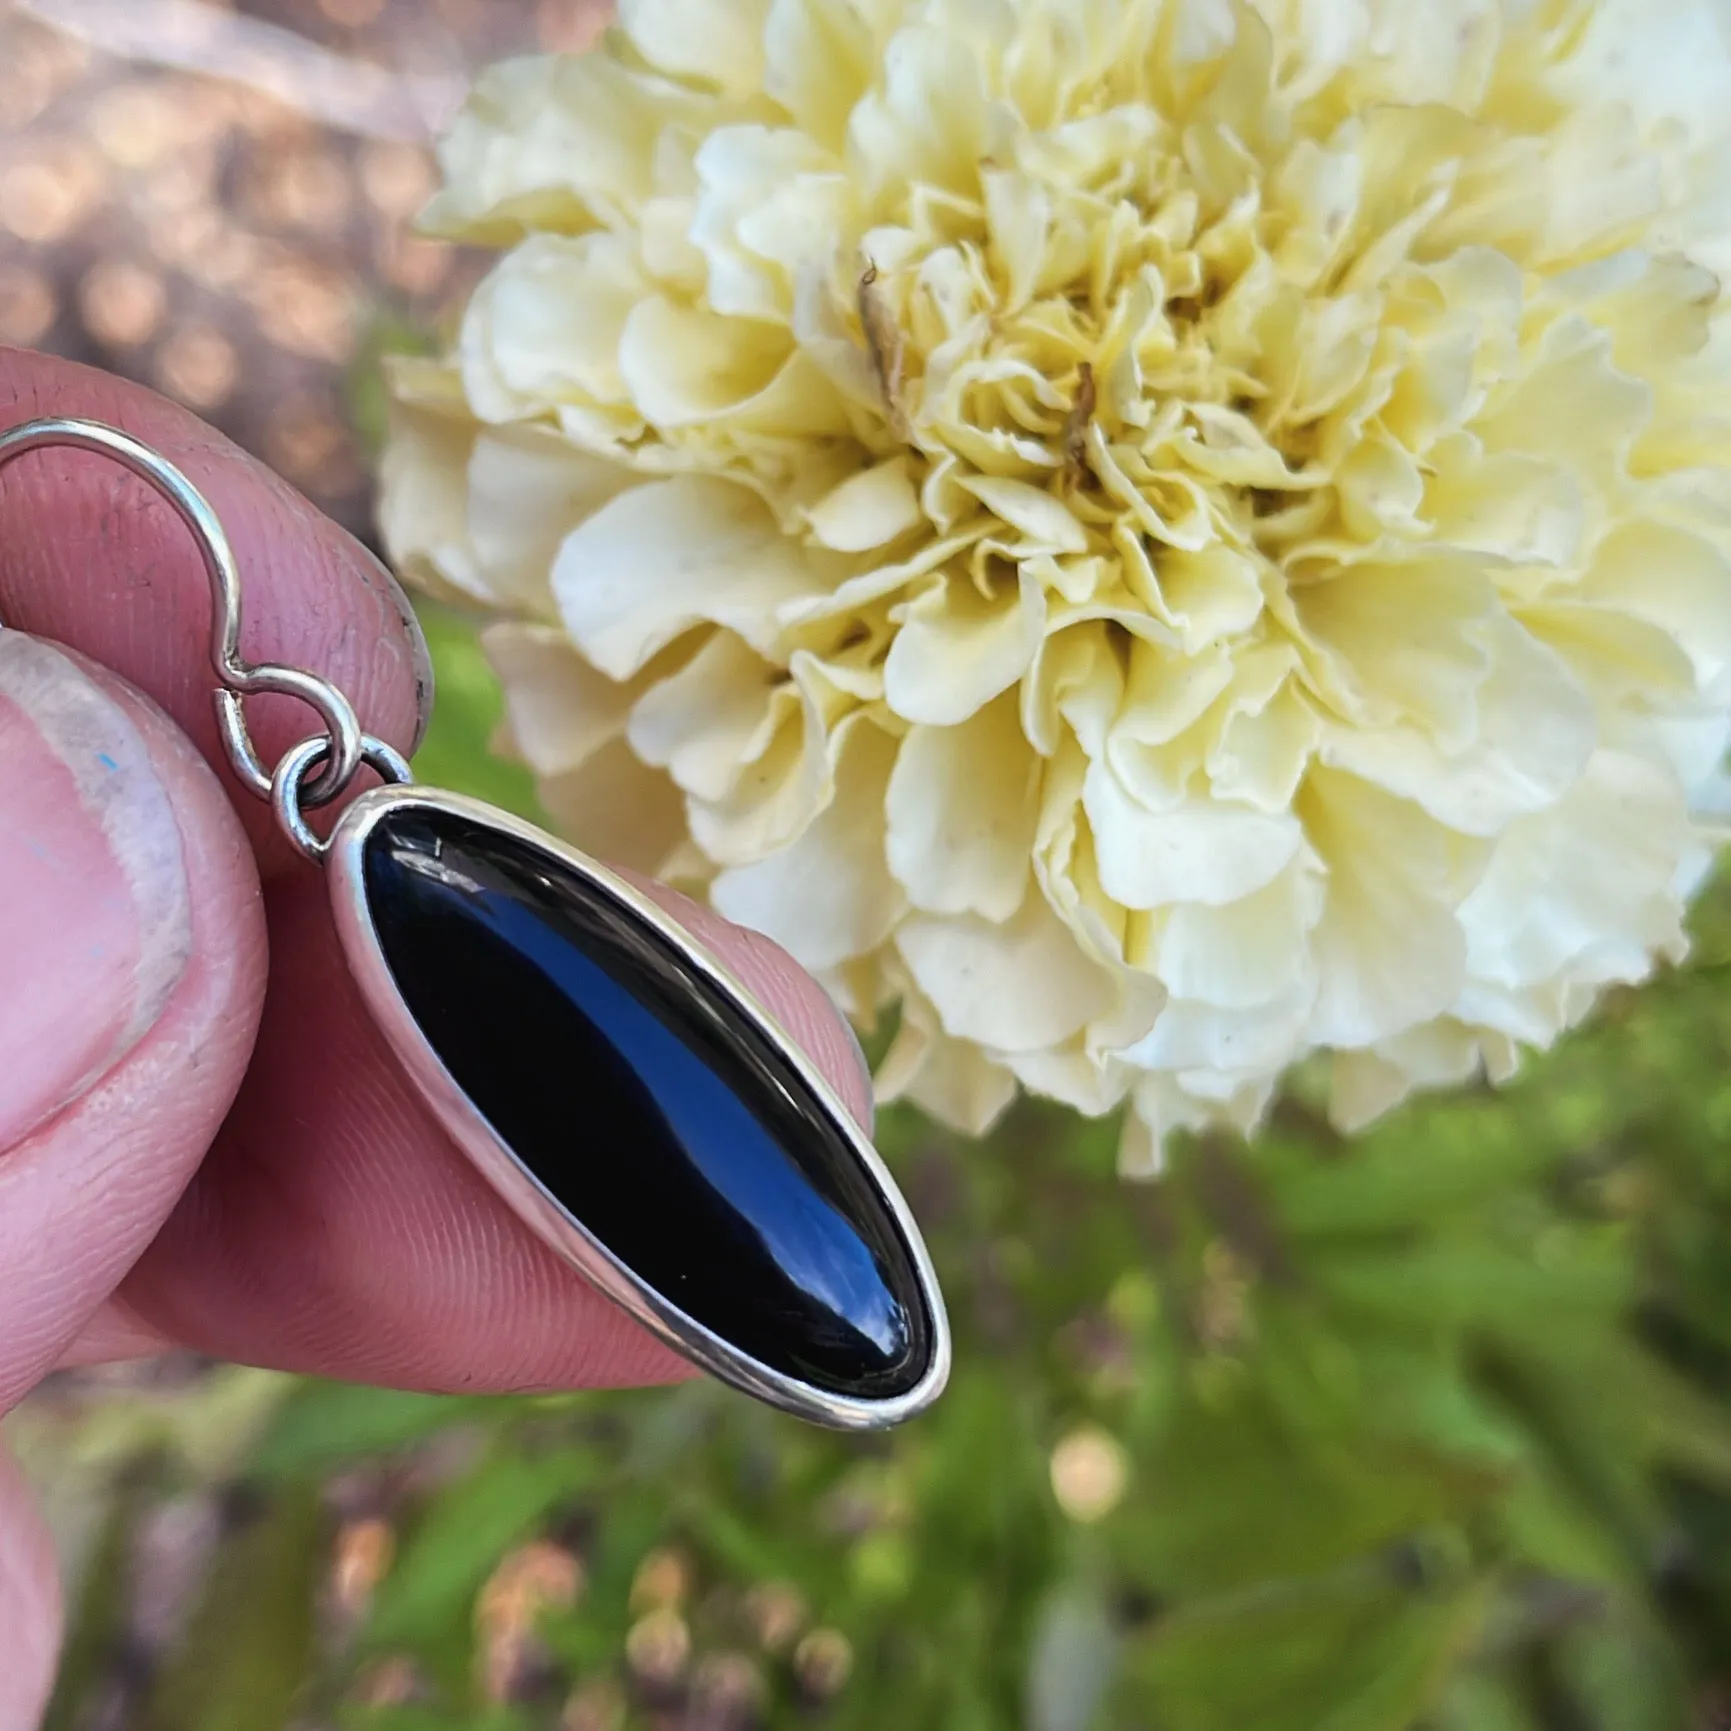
column 1427, row 1430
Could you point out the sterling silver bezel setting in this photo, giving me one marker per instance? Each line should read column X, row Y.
column 533, row 1204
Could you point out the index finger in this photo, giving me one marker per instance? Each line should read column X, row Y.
column 92, row 558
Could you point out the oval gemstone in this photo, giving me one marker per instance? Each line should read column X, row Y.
column 646, row 1103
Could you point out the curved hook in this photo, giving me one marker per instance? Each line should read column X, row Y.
column 235, row 675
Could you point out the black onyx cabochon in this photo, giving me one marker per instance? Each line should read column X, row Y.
column 646, row 1103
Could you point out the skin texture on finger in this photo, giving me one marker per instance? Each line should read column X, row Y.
column 29, row 1605
column 113, row 1335
column 91, row 557
column 335, row 1229
column 83, row 1193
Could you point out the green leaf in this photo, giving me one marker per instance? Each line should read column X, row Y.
column 1279, row 1504
column 98, row 1619
column 457, row 752
column 464, row 1533
column 1688, row 1429
column 249, row 1647
column 1550, row 1528
column 1478, row 1702
column 1623, row 1678
column 416, row 1717
column 737, row 1543
column 1356, row 1651
column 1468, row 1283
column 1399, row 1180
column 324, row 1425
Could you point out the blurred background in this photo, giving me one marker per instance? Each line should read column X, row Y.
column 1428, row 1432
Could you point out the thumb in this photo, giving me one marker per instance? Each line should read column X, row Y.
column 131, row 974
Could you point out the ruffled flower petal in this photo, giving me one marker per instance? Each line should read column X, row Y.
column 955, row 1080
column 1390, row 951
column 559, row 710
column 663, row 558
column 1165, row 537
column 1205, row 850
column 717, row 42
column 962, row 805
column 972, row 972
column 828, row 896
column 554, row 143
column 956, row 650
column 618, row 809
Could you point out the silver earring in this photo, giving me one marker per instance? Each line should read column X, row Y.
column 624, row 1093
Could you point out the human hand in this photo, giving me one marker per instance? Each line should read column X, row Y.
column 166, row 1178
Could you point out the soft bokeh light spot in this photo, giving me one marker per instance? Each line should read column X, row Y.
column 1090, row 1472
column 658, row 1646
column 823, row 1662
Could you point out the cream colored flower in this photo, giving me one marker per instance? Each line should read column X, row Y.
column 1164, row 535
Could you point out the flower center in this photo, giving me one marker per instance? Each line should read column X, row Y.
column 1157, row 339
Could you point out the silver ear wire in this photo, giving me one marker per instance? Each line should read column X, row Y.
column 343, row 746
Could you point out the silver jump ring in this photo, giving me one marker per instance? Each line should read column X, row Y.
column 290, row 801
column 342, row 728
column 237, row 676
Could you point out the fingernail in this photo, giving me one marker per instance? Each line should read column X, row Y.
column 399, row 599
column 95, row 915
column 859, row 1051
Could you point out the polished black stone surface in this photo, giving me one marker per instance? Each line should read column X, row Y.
column 645, row 1103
